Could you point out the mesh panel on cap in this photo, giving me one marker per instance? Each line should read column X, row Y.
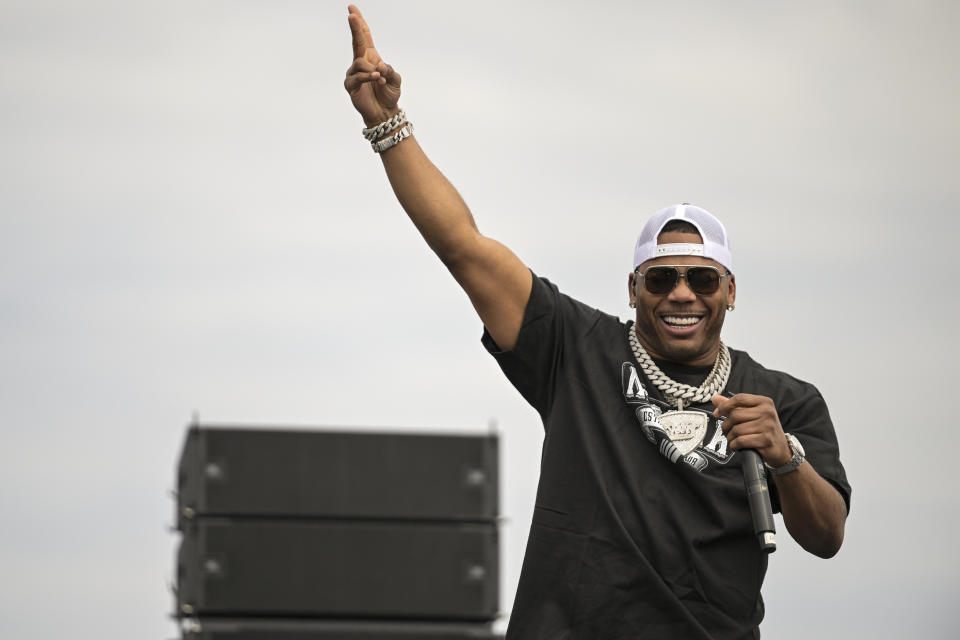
column 651, row 229
column 709, row 224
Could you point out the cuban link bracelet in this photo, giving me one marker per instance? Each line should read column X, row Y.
column 394, row 140
column 378, row 131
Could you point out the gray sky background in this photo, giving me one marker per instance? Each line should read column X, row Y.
column 191, row 221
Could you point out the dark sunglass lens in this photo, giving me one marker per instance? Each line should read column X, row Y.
column 660, row 280
column 703, row 280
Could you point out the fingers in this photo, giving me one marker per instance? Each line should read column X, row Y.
column 747, row 427
column 389, row 74
column 361, row 72
column 758, row 441
column 360, row 32
column 356, row 80
column 759, row 433
column 725, row 405
column 743, row 415
column 751, row 422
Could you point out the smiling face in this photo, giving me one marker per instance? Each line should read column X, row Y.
column 681, row 326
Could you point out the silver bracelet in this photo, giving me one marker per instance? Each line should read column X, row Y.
column 394, row 140
column 381, row 129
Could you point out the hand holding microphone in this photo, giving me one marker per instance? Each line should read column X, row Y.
column 752, row 426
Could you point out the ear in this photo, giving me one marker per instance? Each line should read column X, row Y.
column 632, row 288
column 732, row 290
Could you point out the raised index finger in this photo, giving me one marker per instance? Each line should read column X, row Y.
column 362, row 40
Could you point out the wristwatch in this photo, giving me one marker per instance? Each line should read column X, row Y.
column 798, row 457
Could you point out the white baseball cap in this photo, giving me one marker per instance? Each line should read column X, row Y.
column 716, row 243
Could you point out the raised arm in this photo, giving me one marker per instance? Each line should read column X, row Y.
column 496, row 281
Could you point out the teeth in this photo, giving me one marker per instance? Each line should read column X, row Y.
column 681, row 321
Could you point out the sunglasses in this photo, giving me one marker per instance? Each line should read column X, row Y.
column 661, row 279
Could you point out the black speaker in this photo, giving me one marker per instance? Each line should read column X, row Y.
column 267, row 472
column 339, row 569
column 257, row 629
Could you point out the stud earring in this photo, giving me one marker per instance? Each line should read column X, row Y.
column 730, row 307
column 633, row 304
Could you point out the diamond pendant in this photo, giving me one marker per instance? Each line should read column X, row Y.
column 685, row 429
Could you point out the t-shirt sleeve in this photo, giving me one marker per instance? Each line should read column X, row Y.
column 540, row 354
column 804, row 413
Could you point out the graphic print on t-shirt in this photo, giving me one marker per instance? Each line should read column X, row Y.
column 712, row 446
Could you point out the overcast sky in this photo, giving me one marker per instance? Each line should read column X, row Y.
column 191, row 221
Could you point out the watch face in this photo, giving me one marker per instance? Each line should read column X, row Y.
column 795, row 444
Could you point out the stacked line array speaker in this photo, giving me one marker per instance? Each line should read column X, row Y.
column 305, row 534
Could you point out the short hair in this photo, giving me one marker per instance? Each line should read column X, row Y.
column 679, row 225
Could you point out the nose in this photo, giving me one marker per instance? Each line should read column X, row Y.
column 682, row 292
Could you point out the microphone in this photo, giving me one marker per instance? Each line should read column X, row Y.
column 758, row 495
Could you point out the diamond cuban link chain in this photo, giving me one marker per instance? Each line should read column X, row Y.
column 677, row 393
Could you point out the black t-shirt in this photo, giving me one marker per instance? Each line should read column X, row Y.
column 624, row 544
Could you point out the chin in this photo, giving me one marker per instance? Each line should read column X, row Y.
column 681, row 352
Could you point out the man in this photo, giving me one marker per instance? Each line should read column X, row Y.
column 641, row 527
